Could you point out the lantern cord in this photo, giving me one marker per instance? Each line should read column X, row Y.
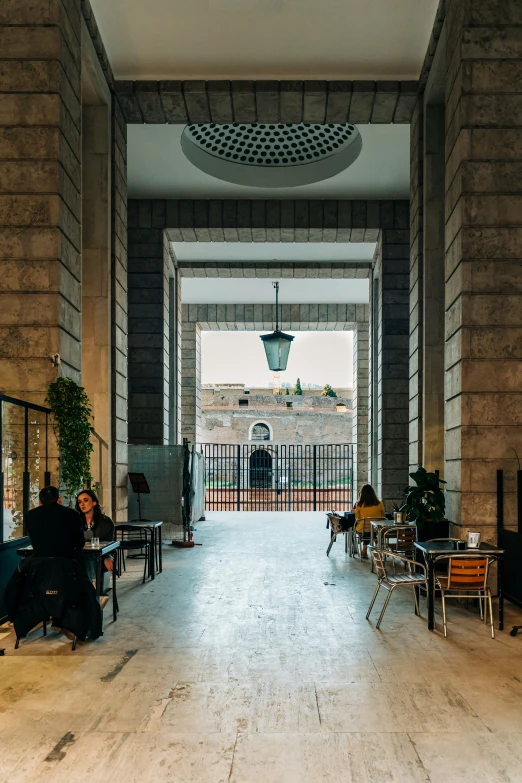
column 276, row 286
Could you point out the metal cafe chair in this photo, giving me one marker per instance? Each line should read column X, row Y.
column 391, row 581
column 137, row 541
column 400, row 540
column 467, row 576
column 364, row 535
column 337, row 528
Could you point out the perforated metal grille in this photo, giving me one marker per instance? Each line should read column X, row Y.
column 273, row 146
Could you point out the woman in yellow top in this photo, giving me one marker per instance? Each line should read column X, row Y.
column 368, row 506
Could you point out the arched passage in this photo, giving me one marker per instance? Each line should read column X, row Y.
column 261, row 469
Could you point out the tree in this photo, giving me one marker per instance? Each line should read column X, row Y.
column 287, row 392
column 298, row 389
column 328, row 391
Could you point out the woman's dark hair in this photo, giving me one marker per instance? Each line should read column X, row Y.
column 96, row 512
column 368, row 496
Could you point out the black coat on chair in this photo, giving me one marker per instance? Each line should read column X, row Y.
column 57, row 588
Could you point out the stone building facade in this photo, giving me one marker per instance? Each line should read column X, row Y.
column 231, row 415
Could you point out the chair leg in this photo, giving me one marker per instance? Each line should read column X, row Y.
column 373, row 599
column 482, row 607
column 332, row 542
column 384, row 608
column 345, row 541
column 444, row 623
column 17, row 643
column 44, row 625
column 74, row 644
column 147, row 562
column 417, row 610
column 490, row 613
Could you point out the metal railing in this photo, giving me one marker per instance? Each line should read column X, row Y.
column 266, row 476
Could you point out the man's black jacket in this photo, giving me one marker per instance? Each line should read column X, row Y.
column 57, row 588
column 55, row 530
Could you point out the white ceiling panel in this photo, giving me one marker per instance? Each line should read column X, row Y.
column 266, row 39
column 261, row 291
column 274, row 251
column 157, row 168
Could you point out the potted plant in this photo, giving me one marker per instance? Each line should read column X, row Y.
column 424, row 504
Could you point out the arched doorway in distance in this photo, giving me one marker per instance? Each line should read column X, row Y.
column 261, row 469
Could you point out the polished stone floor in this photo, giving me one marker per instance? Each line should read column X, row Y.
column 249, row 659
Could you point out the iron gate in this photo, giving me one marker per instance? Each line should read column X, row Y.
column 278, row 477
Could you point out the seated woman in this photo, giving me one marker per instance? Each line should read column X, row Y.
column 95, row 525
column 368, row 506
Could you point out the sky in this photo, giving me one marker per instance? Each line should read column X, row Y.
column 239, row 357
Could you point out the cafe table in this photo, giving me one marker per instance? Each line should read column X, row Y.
column 154, row 528
column 433, row 549
column 99, row 552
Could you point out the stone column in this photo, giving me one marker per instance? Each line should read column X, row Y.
column 96, row 286
column 175, row 357
column 190, row 376
column 426, row 433
column 40, row 195
column 390, row 338
column 483, row 352
column 416, row 286
column 119, row 309
column 149, row 272
column 360, row 406
column 433, row 291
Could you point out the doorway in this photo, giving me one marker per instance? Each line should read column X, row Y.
column 261, row 469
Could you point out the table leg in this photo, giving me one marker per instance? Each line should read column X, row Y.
column 431, row 584
column 99, row 576
column 152, row 552
column 160, row 553
column 114, row 599
column 500, row 577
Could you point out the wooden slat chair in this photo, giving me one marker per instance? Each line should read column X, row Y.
column 467, row 576
column 335, row 521
column 413, row 579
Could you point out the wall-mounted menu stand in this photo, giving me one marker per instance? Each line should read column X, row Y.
column 511, row 541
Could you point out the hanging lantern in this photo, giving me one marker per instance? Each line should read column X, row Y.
column 277, row 344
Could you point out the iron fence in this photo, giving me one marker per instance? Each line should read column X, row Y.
column 278, row 477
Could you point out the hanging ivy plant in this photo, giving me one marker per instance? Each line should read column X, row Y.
column 72, row 426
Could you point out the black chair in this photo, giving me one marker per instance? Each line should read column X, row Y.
column 57, row 588
column 136, row 540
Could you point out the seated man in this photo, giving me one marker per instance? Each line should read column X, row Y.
column 54, row 530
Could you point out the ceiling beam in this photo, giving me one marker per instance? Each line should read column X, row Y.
column 302, row 270
column 319, row 102
column 270, row 220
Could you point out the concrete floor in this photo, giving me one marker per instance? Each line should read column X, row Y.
column 249, row 659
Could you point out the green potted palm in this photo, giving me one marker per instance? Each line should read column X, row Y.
column 425, row 505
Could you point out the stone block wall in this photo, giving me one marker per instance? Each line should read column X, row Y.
column 390, row 366
column 119, row 313
column 40, row 194
column 360, row 404
column 416, row 285
column 148, row 279
column 483, row 275
column 190, row 392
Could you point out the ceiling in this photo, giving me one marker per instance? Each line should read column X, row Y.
column 158, row 168
column 261, row 291
column 265, row 39
column 274, row 251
